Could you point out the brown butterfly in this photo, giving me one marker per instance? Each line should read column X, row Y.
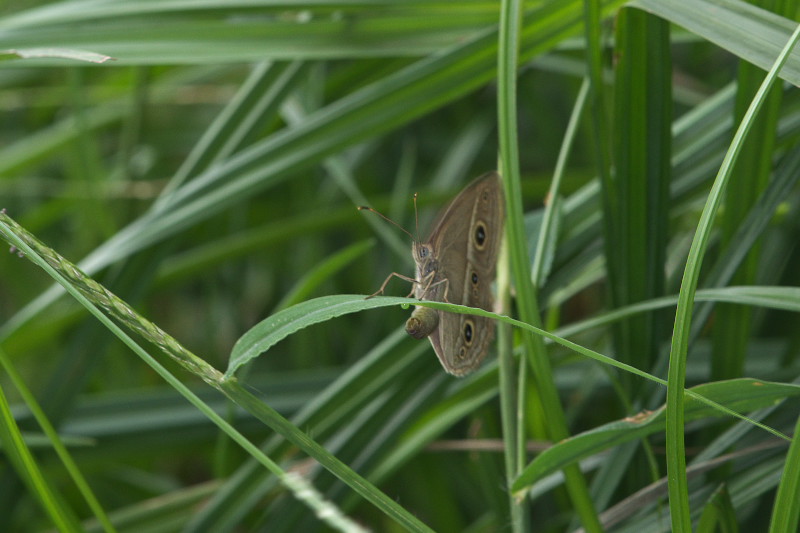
column 457, row 264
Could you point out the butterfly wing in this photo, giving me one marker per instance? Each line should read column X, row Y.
column 465, row 243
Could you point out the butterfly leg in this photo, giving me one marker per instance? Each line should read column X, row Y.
column 431, row 284
column 386, row 282
column 446, row 287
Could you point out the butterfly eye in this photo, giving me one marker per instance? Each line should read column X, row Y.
column 468, row 332
column 423, row 252
column 474, row 278
column 480, row 235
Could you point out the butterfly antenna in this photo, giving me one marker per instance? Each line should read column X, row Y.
column 384, row 217
column 416, row 219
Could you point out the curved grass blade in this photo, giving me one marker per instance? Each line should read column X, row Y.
column 275, row 328
column 19, row 455
column 738, row 395
column 676, row 453
column 786, row 513
column 53, row 440
column 750, row 32
column 95, row 297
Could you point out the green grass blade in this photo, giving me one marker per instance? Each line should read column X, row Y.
column 676, row 460
column 750, row 32
column 546, row 243
column 786, row 512
column 719, row 512
column 256, row 103
column 526, row 297
column 750, row 177
column 90, row 294
column 737, row 395
column 56, row 442
column 21, row 458
column 284, row 323
column 516, row 254
column 636, row 212
column 334, row 407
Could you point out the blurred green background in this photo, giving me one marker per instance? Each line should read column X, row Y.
column 208, row 173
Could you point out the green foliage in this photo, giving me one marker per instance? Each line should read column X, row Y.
column 201, row 163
